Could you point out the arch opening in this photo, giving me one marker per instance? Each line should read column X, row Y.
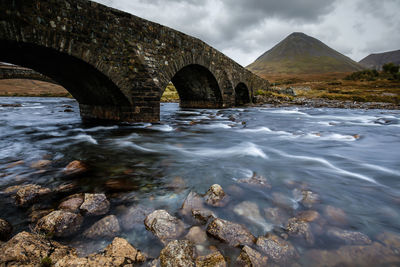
column 197, row 87
column 85, row 83
column 242, row 95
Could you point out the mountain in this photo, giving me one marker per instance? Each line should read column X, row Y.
column 302, row 54
column 376, row 61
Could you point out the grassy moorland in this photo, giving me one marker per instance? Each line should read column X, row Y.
column 23, row 87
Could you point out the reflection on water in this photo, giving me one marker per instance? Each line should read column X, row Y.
column 350, row 158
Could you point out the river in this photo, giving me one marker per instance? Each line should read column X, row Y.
column 350, row 158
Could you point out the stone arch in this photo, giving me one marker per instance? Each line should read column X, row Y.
column 197, row 87
column 242, row 94
column 85, row 83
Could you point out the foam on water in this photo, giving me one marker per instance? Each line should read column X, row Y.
column 101, row 128
column 85, row 137
column 162, row 128
column 134, row 146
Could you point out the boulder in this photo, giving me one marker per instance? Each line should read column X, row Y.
column 276, row 248
column 308, row 216
column 196, row 235
column 123, row 253
column 192, row 202
column 163, row 225
column 215, row 259
column 108, row 227
column 134, row 216
column 177, row 253
column 25, row 195
column 203, row 215
column 26, row 249
column 249, row 210
column 216, row 196
column 251, row 258
column 232, row 233
column 335, row 216
column 256, row 180
column 390, row 240
column 59, row 223
column 36, row 215
column 95, row 204
column 5, row 230
column 72, row 203
column 300, row 229
column 75, row 167
column 348, row 237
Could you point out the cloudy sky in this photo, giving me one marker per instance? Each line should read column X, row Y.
column 244, row 29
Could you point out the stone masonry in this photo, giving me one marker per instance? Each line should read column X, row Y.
column 117, row 65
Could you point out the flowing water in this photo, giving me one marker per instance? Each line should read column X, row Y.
column 350, row 158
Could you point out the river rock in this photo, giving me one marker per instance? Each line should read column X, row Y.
column 348, row 237
column 300, row 229
column 216, row 196
column 25, row 195
column 309, row 198
column 163, row 225
column 5, row 230
column 196, row 235
column 15, row 163
column 249, row 210
column 308, row 216
column 390, row 240
column 251, row 258
column 203, row 215
column 72, row 203
column 36, row 215
column 257, row 180
column 134, row 216
column 40, row 164
column 75, row 167
column 191, row 202
column 26, row 249
column 95, row 204
column 232, row 233
column 335, row 215
column 370, row 255
column 284, row 201
column 215, row 259
column 59, row 223
column 276, row 248
column 108, row 227
column 123, row 253
column 276, row 215
column 177, row 253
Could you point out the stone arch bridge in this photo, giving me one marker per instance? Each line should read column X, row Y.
column 117, row 65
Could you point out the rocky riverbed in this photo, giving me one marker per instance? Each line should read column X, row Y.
column 195, row 236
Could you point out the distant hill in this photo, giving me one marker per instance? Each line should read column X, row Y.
column 376, row 61
column 302, row 54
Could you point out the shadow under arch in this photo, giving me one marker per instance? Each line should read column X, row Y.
column 242, row 94
column 83, row 81
column 197, row 87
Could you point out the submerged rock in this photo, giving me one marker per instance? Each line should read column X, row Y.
column 192, row 202
column 232, row 233
column 309, row 198
column 108, row 227
column 216, row 196
column 335, row 215
column 72, row 203
column 284, row 201
column 215, row 259
column 370, row 255
column 59, row 223
column 308, row 216
column 163, row 225
column 75, row 167
column 257, row 180
column 348, row 237
column 40, row 164
column 196, row 235
column 177, row 253
column 134, row 216
column 251, row 258
column 390, row 240
column 276, row 248
column 276, row 215
column 301, row 229
column 5, row 230
column 95, row 204
column 25, row 195
column 250, row 211
column 26, row 249
column 203, row 215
